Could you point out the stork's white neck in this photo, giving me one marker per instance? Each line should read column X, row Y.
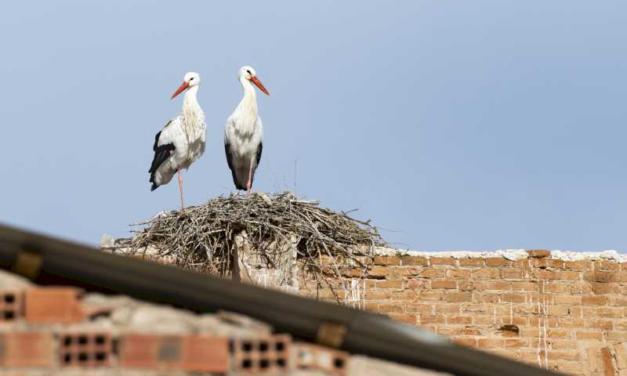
column 193, row 116
column 248, row 104
column 190, row 101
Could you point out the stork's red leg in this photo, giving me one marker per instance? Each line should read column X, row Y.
column 181, row 188
column 249, row 183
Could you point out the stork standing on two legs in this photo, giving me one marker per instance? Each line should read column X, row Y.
column 182, row 139
column 243, row 133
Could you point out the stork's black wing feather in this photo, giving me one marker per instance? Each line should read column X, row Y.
column 229, row 157
column 162, row 153
column 229, row 160
column 259, row 150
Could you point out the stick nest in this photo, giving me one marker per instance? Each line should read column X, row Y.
column 202, row 237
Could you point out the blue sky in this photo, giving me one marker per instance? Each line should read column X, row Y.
column 451, row 124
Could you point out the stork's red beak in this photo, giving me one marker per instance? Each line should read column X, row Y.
column 258, row 83
column 184, row 86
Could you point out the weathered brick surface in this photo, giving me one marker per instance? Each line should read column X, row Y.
column 48, row 305
column 569, row 316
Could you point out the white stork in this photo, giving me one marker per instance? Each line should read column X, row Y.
column 182, row 139
column 243, row 133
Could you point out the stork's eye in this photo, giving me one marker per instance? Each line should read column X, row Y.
column 248, row 71
column 191, row 78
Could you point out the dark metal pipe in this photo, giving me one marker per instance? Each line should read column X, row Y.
column 47, row 260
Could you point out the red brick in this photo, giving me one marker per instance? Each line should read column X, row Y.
column 26, row 349
column 463, row 285
column 447, row 308
column 355, row 272
column 577, row 265
column 567, row 299
column 559, row 333
column 150, row 351
column 458, row 297
column 434, row 295
column 470, row 331
column 610, row 312
column 454, row 320
column 390, row 284
column 490, row 343
column 599, row 276
column 465, row 341
column 569, row 275
column 513, row 298
column 547, row 275
column 443, row 284
column 524, row 286
column 197, row 353
column 563, row 344
column 420, row 308
column 552, row 263
column 614, row 336
column 377, row 294
column 416, row 284
column 458, row 273
column 402, row 272
column 202, row 353
column 563, row 354
column 485, row 274
column 498, row 286
column 594, row 300
column 425, row 319
column 391, row 308
column 621, row 276
column 497, row 261
column 603, row 324
column 511, row 273
column 414, row 260
column 432, row 273
column 569, row 367
column 443, row 261
column 610, row 266
column 483, row 320
column 538, row 253
column 622, row 324
column 488, row 297
column 53, row 305
column 557, row 287
column 475, row 261
column 558, row 310
column 589, row 335
column 378, row 271
column 515, row 342
column 387, row 260
column 404, row 317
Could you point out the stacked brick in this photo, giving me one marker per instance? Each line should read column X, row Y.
column 43, row 328
column 569, row 316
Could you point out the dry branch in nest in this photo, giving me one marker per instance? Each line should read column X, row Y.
column 202, row 238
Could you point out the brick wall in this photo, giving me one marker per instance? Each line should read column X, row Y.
column 566, row 315
column 63, row 331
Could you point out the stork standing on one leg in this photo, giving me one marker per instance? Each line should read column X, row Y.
column 182, row 139
column 243, row 133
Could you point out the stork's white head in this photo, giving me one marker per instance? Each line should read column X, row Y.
column 248, row 73
column 190, row 79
